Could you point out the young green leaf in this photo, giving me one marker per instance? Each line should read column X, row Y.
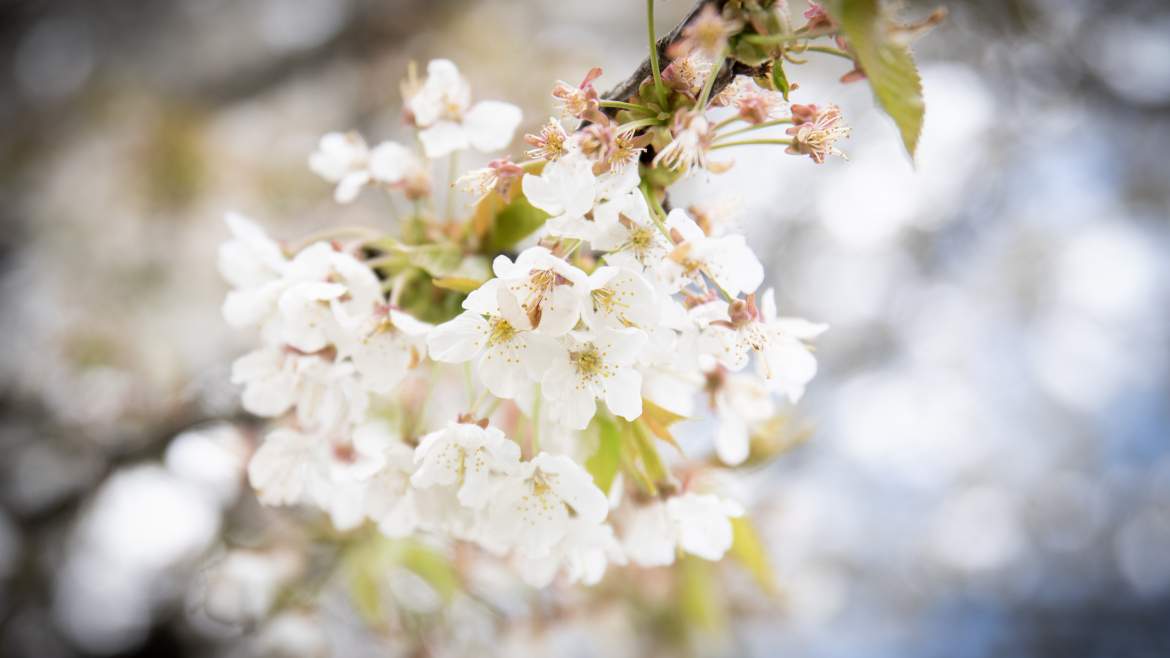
column 748, row 550
column 512, row 224
column 780, row 79
column 603, row 464
column 457, row 283
column 658, row 421
column 888, row 65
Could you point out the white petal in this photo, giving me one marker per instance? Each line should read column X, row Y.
column 678, row 219
column 703, row 526
column 490, row 125
column 650, row 536
column 442, row 138
column 503, row 371
column 252, row 306
column 800, row 328
column 283, row 468
column 623, row 393
column 390, row 162
column 732, row 441
column 262, row 253
column 349, row 186
column 574, row 485
column 576, row 408
column 307, row 314
column 458, row 339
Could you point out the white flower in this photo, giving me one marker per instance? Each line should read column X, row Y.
column 495, row 331
column 698, row 524
column 532, row 508
column 344, row 158
column 389, row 498
column 703, row 523
column 739, row 401
column 550, row 292
column 254, row 265
column 250, row 259
column 582, row 555
column 271, row 379
column 693, row 137
column 289, row 468
column 649, row 536
column 392, row 163
column 580, row 204
column 442, row 108
column 784, row 359
column 727, row 259
column 620, row 298
column 384, row 347
column 565, row 189
column 595, row 366
column 671, row 377
column 467, row 457
column 324, row 283
column 633, row 240
column 615, row 193
column 379, row 486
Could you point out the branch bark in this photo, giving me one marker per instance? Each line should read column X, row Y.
column 629, row 87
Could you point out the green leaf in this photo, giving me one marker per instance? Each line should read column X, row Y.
column 749, row 53
column 658, row 421
column 888, row 65
column 603, row 464
column 699, row 597
column 631, row 457
column 435, row 259
column 748, row 550
column 647, row 453
column 364, row 566
column 457, row 283
column 431, row 566
column 780, row 79
column 516, row 221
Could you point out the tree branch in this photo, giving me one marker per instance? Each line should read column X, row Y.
column 629, row 87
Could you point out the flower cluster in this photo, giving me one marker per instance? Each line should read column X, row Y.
column 559, row 345
column 567, row 373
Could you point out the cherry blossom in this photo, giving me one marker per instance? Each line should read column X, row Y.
column 695, row 523
column 533, row 507
column 784, row 359
column 816, row 131
column 468, row 457
column 550, row 292
column 582, row 555
column 498, row 335
column 441, row 107
column 595, row 366
column 565, row 190
column 727, row 260
column 255, row 266
column 619, row 298
column 739, row 401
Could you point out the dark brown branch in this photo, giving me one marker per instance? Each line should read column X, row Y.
column 629, row 87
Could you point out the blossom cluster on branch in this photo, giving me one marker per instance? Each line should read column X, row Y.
column 505, row 375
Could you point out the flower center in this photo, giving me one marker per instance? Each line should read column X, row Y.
column 501, row 331
column 588, row 361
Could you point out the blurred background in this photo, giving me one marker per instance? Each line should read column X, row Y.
column 990, row 471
